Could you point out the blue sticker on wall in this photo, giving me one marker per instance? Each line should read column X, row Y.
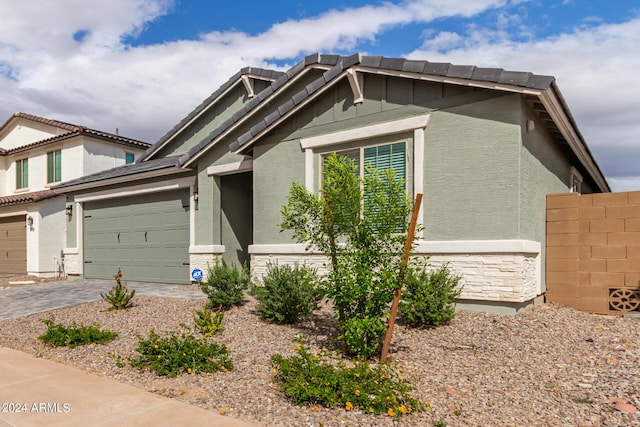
column 196, row 274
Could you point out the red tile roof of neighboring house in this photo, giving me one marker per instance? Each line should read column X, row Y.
column 63, row 125
column 18, row 199
column 73, row 131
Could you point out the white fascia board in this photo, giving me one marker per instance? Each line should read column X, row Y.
column 365, row 132
column 244, row 118
column 245, row 165
column 134, row 190
column 478, row 247
column 556, row 111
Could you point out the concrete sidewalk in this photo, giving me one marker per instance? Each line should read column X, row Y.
column 39, row 392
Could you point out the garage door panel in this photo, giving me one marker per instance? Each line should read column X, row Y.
column 13, row 245
column 147, row 237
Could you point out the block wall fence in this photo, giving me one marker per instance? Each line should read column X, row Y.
column 593, row 251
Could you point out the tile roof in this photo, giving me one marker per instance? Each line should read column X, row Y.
column 56, row 123
column 311, row 61
column 126, row 170
column 399, row 65
column 336, row 64
column 18, row 199
column 73, row 131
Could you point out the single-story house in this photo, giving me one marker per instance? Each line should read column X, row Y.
column 36, row 154
column 484, row 146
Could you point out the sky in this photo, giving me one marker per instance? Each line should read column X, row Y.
column 142, row 65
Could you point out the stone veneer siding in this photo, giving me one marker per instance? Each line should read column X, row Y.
column 491, row 276
column 203, row 258
column 71, row 262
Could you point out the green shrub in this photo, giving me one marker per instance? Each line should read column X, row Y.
column 428, row 298
column 59, row 335
column 207, row 322
column 173, row 355
column 287, row 293
column 225, row 285
column 325, row 380
column 119, row 297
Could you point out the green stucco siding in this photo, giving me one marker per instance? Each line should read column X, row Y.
column 208, row 219
column 471, row 173
column 544, row 169
column 275, row 167
column 237, row 222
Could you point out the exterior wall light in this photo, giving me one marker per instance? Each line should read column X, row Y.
column 195, row 196
column 69, row 212
column 30, row 221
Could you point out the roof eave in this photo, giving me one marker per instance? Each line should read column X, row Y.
column 557, row 108
column 173, row 170
column 425, row 77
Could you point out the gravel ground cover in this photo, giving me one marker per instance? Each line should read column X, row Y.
column 548, row 366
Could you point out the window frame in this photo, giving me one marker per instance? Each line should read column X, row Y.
column 54, row 168
column 415, row 125
column 360, row 149
column 126, row 158
column 22, row 173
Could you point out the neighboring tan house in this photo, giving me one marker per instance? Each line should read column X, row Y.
column 36, row 154
column 484, row 146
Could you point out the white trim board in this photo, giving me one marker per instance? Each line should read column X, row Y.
column 134, row 190
column 245, row 165
column 478, row 247
column 423, row 247
column 365, row 132
column 206, row 249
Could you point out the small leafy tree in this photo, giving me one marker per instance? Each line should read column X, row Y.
column 362, row 225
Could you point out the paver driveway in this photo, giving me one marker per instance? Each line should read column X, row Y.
column 24, row 300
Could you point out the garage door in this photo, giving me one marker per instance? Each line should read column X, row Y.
column 13, row 245
column 145, row 236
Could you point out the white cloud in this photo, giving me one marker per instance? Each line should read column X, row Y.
column 98, row 81
column 145, row 90
column 596, row 70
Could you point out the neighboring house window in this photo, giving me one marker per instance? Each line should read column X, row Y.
column 54, row 166
column 129, row 158
column 22, row 173
column 575, row 180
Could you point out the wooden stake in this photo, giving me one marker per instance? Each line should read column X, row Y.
column 403, row 269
